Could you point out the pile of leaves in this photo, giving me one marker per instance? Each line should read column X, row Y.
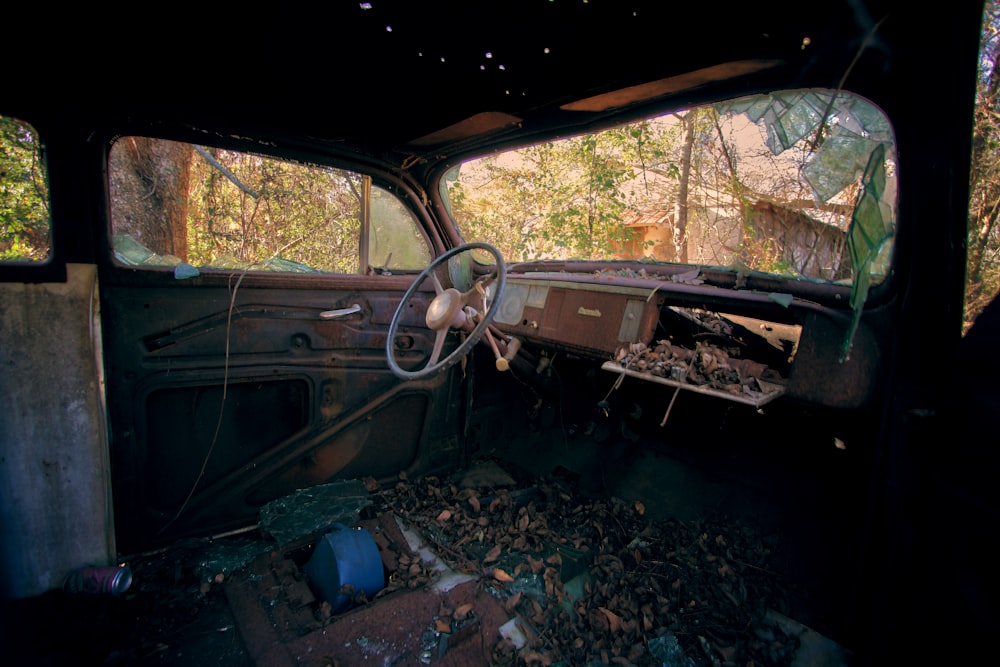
column 707, row 365
column 593, row 581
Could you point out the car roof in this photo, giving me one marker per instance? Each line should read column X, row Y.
column 411, row 83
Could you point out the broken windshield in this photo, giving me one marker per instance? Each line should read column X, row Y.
column 799, row 184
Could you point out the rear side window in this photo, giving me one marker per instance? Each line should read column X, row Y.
column 25, row 223
column 193, row 208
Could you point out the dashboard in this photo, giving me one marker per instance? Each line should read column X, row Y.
column 589, row 317
column 630, row 330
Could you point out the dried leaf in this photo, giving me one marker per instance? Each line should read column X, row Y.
column 462, row 612
column 492, row 554
column 474, row 502
column 444, row 515
column 500, row 575
column 442, row 625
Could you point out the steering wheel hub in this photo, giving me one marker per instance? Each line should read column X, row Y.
column 446, row 310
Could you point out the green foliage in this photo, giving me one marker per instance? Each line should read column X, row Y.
column 560, row 200
column 266, row 209
column 246, row 211
column 24, row 195
column 983, row 241
column 678, row 188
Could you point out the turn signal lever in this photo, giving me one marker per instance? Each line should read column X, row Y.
column 504, row 347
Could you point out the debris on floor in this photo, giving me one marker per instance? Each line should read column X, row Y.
column 501, row 573
column 493, row 567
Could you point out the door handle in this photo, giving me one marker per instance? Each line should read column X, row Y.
column 340, row 312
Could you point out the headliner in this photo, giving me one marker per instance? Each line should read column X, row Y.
column 411, row 81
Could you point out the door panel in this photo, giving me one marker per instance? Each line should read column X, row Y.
column 214, row 413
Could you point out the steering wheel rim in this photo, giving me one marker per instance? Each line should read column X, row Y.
column 435, row 365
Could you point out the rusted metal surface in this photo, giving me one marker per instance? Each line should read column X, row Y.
column 218, row 409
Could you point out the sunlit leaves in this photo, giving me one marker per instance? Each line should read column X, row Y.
column 24, row 196
column 305, row 214
column 983, row 270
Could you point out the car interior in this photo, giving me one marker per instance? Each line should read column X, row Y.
column 656, row 308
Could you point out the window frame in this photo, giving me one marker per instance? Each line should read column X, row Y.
column 404, row 191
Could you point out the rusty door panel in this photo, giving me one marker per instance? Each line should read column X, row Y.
column 215, row 411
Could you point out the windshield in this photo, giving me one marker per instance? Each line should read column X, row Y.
column 796, row 183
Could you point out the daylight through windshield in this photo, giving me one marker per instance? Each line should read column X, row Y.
column 796, row 183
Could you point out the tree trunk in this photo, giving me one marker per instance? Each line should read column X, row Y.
column 681, row 207
column 149, row 181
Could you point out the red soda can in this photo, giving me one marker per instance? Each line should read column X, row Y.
column 110, row 580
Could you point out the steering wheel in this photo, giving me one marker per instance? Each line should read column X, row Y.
column 450, row 309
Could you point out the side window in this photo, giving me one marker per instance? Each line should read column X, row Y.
column 25, row 224
column 195, row 208
column 396, row 242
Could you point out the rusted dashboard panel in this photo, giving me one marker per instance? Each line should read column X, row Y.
column 591, row 317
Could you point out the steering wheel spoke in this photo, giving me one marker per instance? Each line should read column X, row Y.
column 442, row 335
column 438, row 289
column 447, row 311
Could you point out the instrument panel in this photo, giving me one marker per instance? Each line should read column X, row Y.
column 591, row 317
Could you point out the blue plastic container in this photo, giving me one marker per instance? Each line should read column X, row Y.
column 345, row 556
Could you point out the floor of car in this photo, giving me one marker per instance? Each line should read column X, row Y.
column 731, row 552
